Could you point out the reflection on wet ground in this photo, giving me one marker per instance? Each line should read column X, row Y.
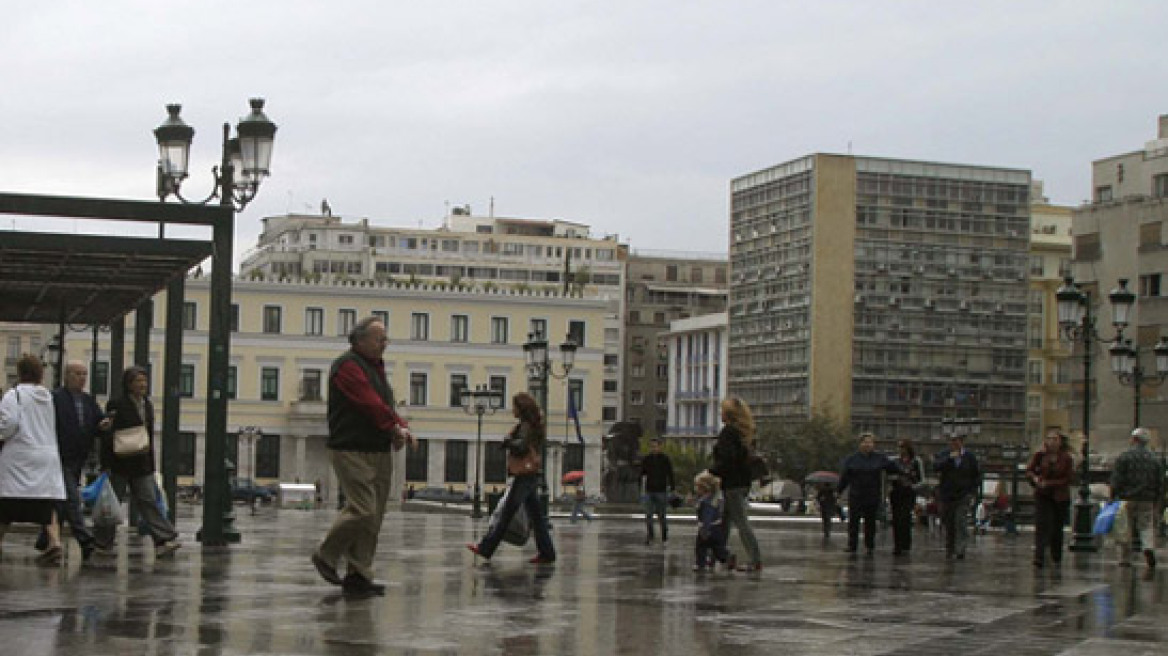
column 607, row 594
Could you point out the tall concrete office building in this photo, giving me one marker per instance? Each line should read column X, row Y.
column 891, row 293
column 1121, row 235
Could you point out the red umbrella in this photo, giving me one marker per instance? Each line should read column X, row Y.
column 822, row 477
column 573, row 477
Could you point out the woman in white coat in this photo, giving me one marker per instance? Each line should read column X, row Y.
column 31, row 482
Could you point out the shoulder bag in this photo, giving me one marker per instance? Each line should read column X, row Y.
column 131, row 441
column 529, row 463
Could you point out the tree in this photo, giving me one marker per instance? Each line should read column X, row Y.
column 795, row 449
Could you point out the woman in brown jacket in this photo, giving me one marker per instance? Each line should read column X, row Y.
column 1050, row 471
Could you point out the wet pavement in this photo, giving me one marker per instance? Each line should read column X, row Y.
column 607, row 594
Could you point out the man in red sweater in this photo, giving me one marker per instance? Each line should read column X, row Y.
column 364, row 431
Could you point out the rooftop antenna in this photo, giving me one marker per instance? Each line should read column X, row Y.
column 492, row 214
column 849, row 147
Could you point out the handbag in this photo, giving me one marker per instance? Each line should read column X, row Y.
column 759, row 471
column 131, row 441
column 1105, row 521
column 518, row 530
column 528, row 463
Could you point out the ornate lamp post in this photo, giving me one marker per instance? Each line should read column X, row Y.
column 1077, row 324
column 485, row 401
column 539, row 368
column 244, row 164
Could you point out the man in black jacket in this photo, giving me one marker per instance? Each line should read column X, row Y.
column 861, row 476
column 78, row 422
column 960, row 477
column 657, row 483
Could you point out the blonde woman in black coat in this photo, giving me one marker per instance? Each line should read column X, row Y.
column 732, row 465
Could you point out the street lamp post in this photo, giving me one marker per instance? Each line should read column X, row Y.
column 539, row 368
column 1077, row 324
column 485, row 401
column 243, row 165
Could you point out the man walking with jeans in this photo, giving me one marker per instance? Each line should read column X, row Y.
column 1136, row 479
column 364, row 430
column 657, row 483
column 960, row 477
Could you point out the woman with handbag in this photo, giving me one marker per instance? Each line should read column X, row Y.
column 732, row 465
column 31, row 482
column 1050, row 471
column 127, row 453
column 523, row 446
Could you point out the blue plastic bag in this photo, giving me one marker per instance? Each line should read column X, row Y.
column 89, row 492
column 1106, row 519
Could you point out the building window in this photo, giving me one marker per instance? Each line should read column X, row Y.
column 576, row 332
column 267, row 456
column 314, row 321
column 186, row 381
column 419, row 326
column 608, row 413
column 310, row 385
column 459, row 328
column 232, row 381
column 1160, row 185
column 671, row 273
column 662, row 372
column 720, row 275
column 456, row 464
column 272, row 319
column 1103, row 194
column 383, row 317
column 99, row 384
column 659, row 318
column 270, row 384
column 1036, row 268
column 662, row 397
column 539, row 327
column 636, row 397
column 1034, row 372
column 457, row 385
column 576, row 392
column 418, row 462
column 499, row 384
column 610, row 385
column 186, row 454
column 418, row 383
column 637, row 371
column 494, row 465
column 234, row 318
column 1150, row 285
column 190, row 315
column 346, row 319
column 1087, row 247
column 695, row 274
column 498, row 330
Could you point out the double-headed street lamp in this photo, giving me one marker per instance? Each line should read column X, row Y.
column 539, row 368
column 243, row 165
column 481, row 401
column 1077, row 324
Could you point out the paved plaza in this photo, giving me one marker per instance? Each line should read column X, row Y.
column 608, row 594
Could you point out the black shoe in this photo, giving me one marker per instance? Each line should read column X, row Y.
column 1150, row 557
column 87, row 551
column 358, row 586
column 897, row 552
column 1038, row 564
column 326, row 571
column 849, row 550
column 42, row 541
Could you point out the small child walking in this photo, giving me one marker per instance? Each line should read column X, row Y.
column 711, row 538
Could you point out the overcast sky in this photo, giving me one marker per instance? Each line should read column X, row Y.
column 629, row 116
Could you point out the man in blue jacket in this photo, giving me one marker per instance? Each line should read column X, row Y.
column 862, row 475
column 78, row 422
column 960, row 477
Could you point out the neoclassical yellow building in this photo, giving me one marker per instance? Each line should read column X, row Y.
column 442, row 339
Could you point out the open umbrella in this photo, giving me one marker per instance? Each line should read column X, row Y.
column 822, row 477
column 573, row 477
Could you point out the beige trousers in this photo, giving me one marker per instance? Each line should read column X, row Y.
column 364, row 479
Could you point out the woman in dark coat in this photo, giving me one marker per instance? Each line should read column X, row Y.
column 135, row 470
column 523, row 445
column 732, row 465
column 1050, row 471
column 903, row 496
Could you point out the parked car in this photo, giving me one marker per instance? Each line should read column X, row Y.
column 441, row 494
column 246, row 490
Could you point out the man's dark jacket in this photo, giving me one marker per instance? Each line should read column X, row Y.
column 74, row 440
column 957, row 479
column 860, row 475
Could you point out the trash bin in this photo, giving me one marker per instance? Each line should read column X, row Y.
column 297, row 495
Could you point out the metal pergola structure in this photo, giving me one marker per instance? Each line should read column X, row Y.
column 96, row 280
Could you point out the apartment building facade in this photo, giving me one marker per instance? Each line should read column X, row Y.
column 891, row 292
column 285, row 334
column 660, row 287
column 1049, row 367
column 696, row 351
column 1121, row 234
